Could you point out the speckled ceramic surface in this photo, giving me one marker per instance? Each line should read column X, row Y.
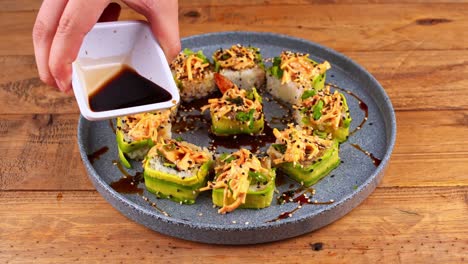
column 351, row 183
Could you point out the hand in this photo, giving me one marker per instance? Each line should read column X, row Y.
column 62, row 24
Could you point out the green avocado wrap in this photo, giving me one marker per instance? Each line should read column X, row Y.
column 303, row 156
column 325, row 112
column 177, row 170
column 242, row 181
column 237, row 112
column 136, row 134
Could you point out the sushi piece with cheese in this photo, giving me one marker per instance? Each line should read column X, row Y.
column 238, row 111
column 193, row 74
column 177, row 170
column 242, row 65
column 136, row 134
column 325, row 112
column 293, row 73
column 242, row 181
column 303, row 156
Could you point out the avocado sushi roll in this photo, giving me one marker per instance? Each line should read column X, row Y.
column 304, row 157
column 325, row 112
column 136, row 134
column 238, row 111
column 177, row 170
column 193, row 75
column 293, row 73
column 242, row 65
column 242, row 181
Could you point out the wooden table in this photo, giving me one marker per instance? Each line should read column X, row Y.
column 418, row 50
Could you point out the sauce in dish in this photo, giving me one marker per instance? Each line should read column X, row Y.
column 125, row 89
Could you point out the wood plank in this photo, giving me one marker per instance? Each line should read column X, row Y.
column 344, row 27
column 431, row 150
column 414, row 80
column 392, row 225
column 33, row 5
column 40, row 152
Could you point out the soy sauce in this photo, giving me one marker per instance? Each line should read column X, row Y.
column 125, row 89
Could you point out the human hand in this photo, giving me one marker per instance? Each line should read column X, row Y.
column 62, row 24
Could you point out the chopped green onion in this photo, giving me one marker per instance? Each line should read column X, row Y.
column 307, row 94
column 317, row 110
column 257, row 176
column 170, row 165
column 279, row 147
column 229, row 159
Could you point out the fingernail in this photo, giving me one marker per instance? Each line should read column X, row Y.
column 63, row 86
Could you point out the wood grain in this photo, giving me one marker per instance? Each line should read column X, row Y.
column 414, row 80
column 430, row 151
column 33, row 5
column 81, row 226
column 376, row 27
column 417, row 49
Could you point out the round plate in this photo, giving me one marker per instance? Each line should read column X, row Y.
column 348, row 185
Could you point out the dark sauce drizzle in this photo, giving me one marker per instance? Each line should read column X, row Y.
column 300, row 196
column 255, row 142
column 111, row 125
column 129, row 184
column 97, row 154
column 189, row 118
column 375, row 160
column 365, row 109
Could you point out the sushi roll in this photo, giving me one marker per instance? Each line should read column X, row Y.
column 193, row 75
column 237, row 112
column 242, row 65
column 304, row 157
column 293, row 73
column 325, row 112
column 242, row 181
column 177, row 170
column 136, row 134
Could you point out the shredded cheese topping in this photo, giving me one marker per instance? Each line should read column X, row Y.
column 299, row 68
column 146, row 125
column 189, row 67
column 184, row 156
column 332, row 112
column 233, row 176
column 234, row 100
column 299, row 146
column 237, row 57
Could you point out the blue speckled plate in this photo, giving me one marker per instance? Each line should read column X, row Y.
column 348, row 185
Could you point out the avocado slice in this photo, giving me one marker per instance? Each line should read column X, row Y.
column 129, row 149
column 225, row 126
column 257, row 198
column 174, row 187
column 243, row 123
column 311, row 174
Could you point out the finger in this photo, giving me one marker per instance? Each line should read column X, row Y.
column 163, row 17
column 77, row 19
column 111, row 13
column 43, row 33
